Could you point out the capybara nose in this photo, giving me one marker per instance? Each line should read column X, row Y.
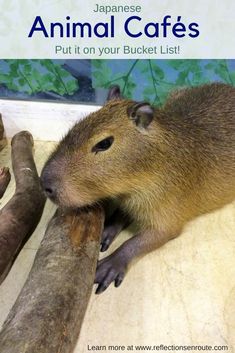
column 49, row 191
column 48, row 185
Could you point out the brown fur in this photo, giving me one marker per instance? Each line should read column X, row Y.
column 181, row 166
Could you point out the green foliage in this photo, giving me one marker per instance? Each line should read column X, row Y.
column 150, row 80
column 154, row 79
column 220, row 67
column 33, row 76
column 103, row 77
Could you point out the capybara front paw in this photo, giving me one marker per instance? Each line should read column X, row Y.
column 109, row 234
column 110, row 269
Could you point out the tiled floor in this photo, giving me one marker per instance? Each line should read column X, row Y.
column 182, row 294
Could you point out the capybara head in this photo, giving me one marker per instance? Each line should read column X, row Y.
column 103, row 155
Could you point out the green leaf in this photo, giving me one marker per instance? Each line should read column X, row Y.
column 149, row 91
column 158, row 72
column 4, row 78
column 27, row 69
column 22, row 61
column 210, row 66
column 47, row 78
column 21, row 82
column 181, row 79
column 102, row 78
column 47, row 64
column 232, row 76
column 13, row 86
column 97, row 63
column 175, row 63
column 72, row 87
column 143, row 66
column 131, row 84
column 64, row 74
column 14, row 68
column 221, row 72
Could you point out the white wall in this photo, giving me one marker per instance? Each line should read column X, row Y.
column 46, row 121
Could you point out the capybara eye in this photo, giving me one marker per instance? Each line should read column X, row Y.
column 103, row 145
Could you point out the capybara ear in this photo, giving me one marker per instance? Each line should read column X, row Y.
column 114, row 93
column 141, row 113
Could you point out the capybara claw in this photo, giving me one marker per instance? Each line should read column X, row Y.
column 110, row 269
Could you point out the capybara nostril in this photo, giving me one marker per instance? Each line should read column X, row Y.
column 49, row 192
column 49, row 189
column 48, row 184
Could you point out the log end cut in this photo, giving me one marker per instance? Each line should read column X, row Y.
column 22, row 136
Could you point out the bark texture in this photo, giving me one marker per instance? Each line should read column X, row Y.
column 3, row 140
column 49, row 311
column 5, row 178
column 20, row 216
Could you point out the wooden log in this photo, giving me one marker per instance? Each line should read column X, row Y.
column 20, row 216
column 3, row 140
column 5, row 177
column 49, row 311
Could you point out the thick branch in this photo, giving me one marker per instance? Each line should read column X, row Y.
column 49, row 311
column 20, row 216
